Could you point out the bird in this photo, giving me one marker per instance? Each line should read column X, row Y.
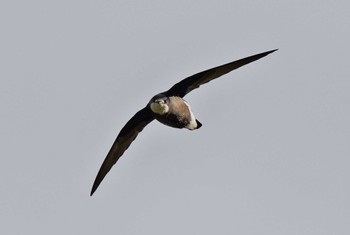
column 170, row 109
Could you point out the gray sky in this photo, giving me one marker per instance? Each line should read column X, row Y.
column 275, row 162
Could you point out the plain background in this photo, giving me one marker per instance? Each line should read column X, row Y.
column 272, row 156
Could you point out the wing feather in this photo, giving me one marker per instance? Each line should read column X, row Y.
column 126, row 136
column 190, row 83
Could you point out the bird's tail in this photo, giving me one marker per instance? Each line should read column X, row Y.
column 198, row 124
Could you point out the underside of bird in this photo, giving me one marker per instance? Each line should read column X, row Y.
column 173, row 111
column 168, row 108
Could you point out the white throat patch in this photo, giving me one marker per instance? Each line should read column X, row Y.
column 159, row 108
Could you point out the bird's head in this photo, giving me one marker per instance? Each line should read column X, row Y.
column 159, row 104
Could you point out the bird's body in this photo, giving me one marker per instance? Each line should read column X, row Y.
column 173, row 111
column 168, row 108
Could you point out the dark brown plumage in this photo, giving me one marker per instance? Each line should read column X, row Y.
column 169, row 108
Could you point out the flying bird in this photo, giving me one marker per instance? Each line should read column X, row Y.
column 169, row 108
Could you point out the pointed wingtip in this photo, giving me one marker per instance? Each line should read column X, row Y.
column 258, row 56
column 252, row 58
column 94, row 187
column 271, row 51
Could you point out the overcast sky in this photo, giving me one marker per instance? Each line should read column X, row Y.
column 272, row 156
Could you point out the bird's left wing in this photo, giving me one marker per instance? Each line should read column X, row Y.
column 126, row 136
column 188, row 84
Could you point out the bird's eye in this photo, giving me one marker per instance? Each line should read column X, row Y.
column 160, row 101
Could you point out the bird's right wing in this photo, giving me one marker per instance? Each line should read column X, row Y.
column 126, row 136
column 190, row 83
